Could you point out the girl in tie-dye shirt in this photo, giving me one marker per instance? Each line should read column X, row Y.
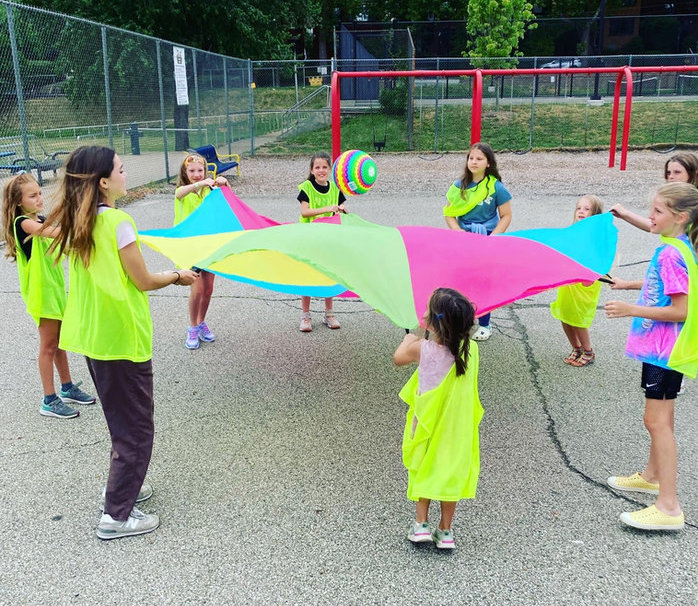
column 664, row 337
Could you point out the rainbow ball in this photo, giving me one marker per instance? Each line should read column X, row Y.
column 354, row 172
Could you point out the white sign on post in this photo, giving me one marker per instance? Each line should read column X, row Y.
column 180, row 76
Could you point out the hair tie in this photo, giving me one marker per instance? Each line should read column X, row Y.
column 438, row 316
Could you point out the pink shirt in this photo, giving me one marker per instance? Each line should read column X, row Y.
column 434, row 363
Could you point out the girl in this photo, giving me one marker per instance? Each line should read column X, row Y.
column 192, row 187
column 42, row 285
column 319, row 197
column 575, row 305
column 681, row 168
column 479, row 203
column 440, row 446
column 107, row 319
column 664, row 337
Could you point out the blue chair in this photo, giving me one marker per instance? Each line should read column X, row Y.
column 217, row 164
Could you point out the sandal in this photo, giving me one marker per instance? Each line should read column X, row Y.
column 588, row 356
column 574, row 356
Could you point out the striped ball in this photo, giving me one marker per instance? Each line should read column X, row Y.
column 354, row 172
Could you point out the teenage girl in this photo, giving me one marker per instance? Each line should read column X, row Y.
column 479, row 203
column 440, row 446
column 664, row 337
column 42, row 285
column 107, row 319
column 192, row 187
column 319, row 197
column 575, row 305
column 681, row 168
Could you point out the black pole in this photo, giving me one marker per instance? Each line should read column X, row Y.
column 599, row 49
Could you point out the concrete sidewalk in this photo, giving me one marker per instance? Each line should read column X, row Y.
column 277, row 464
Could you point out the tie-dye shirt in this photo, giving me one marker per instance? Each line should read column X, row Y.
column 651, row 341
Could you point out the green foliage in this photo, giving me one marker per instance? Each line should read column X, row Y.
column 394, row 100
column 495, row 28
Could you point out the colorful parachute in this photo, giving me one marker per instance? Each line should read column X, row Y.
column 393, row 269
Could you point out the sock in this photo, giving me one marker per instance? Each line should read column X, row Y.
column 49, row 398
column 66, row 386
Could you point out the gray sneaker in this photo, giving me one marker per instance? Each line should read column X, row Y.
column 57, row 408
column 77, row 395
column 144, row 494
column 137, row 523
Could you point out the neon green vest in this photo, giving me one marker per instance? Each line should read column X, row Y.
column 684, row 355
column 443, row 455
column 318, row 200
column 41, row 280
column 107, row 317
column 189, row 203
column 575, row 304
column 458, row 205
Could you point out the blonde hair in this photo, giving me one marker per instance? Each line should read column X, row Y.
column 682, row 198
column 594, row 202
column 80, row 195
column 182, row 178
column 11, row 202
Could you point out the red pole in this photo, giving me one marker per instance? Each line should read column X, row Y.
column 476, row 112
column 335, row 102
column 614, row 122
column 626, row 115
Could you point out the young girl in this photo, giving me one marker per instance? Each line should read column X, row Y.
column 575, row 305
column 681, row 168
column 479, row 203
column 319, row 197
column 43, row 289
column 192, row 187
column 664, row 337
column 107, row 319
column 440, row 446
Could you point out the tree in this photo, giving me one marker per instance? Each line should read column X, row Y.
column 496, row 27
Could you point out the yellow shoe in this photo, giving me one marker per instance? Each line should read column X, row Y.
column 651, row 518
column 633, row 483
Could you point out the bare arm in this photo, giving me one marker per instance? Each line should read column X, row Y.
column 408, row 351
column 504, row 218
column 31, row 227
column 619, row 284
column 452, row 223
column 184, row 190
column 134, row 266
column 638, row 221
column 308, row 212
column 676, row 312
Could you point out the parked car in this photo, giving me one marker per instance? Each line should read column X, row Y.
column 562, row 63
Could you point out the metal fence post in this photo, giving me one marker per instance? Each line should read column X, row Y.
column 227, row 105
column 251, row 85
column 436, row 111
column 18, row 84
column 162, row 110
column 196, row 93
column 107, row 91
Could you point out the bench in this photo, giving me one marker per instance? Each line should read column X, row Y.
column 39, row 159
column 215, row 163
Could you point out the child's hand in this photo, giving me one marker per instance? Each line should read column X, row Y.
column 333, row 209
column 618, row 210
column 617, row 309
column 221, row 181
column 207, row 181
column 187, row 277
column 341, row 208
column 619, row 284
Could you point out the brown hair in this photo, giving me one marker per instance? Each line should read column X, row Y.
column 11, row 202
column 182, row 178
column 467, row 176
column 319, row 156
column 690, row 163
column 596, row 205
column 80, row 195
column 682, row 198
column 450, row 317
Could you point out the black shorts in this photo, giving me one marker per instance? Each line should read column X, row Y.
column 660, row 383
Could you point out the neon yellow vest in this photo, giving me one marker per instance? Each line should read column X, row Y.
column 458, row 205
column 684, row 355
column 189, row 203
column 107, row 317
column 576, row 304
column 41, row 281
column 318, row 200
column 443, row 455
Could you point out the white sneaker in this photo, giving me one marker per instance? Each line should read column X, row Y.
column 306, row 325
column 144, row 494
column 482, row 334
column 137, row 523
column 419, row 533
